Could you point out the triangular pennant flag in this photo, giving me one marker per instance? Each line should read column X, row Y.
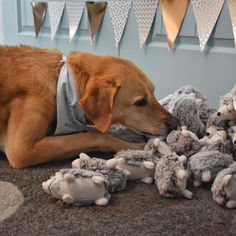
column 39, row 12
column 55, row 10
column 206, row 14
column 145, row 12
column 232, row 10
column 173, row 13
column 75, row 12
column 96, row 13
column 119, row 12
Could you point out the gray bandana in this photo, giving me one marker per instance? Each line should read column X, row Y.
column 70, row 117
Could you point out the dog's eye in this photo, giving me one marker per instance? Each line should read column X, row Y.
column 141, row 102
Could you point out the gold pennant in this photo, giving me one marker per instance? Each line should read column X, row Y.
column 96, row 13
column 173, row 12
column 39, row 12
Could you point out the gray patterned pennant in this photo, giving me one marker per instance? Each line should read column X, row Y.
column 145, row 12
column 119, row 12
column 55, row 10
column 206, row 14
column 75, row 12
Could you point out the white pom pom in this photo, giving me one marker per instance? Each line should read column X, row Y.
column 149, row 165
column 84, row 156
column 76, row 163
column 162, row 147
column 182, row 159
column 67, row 198
column 196, row 183
column 226, row 179
column 234, row 103
column 112, row 163
column 69, row 178
column 206, row 176
column 121, row 160
column 156, row 142
column 98, row 180
column 188, row 133
column 199, row 102
column 181, row 174
column 102, row 202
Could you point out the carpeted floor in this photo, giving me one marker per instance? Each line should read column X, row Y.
column 139, row 210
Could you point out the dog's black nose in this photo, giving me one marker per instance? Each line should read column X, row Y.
column 218, row 113
column 172, row 123
column 207, row 134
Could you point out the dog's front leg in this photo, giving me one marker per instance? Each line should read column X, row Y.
column 28, row 145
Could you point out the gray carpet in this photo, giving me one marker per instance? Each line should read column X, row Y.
column 139, row 210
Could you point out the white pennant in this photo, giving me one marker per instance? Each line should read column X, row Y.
column 206, row 14
column 145, row 12
column 55, row 10
column 119, row 12
column 232, row 10
column 75, row 12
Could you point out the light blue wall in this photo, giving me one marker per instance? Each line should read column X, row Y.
column 213, row 72
column 1, row 26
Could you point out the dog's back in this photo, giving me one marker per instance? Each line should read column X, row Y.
column 25, row 72
column 24, row 66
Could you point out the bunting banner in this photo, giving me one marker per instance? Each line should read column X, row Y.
column 232, row 11
column 55, row 10
column 145, row 12
column 206, row 14
column 75, row 12
column 96, row 13
column 119, row 12
column 39, row 11
column 173, row 13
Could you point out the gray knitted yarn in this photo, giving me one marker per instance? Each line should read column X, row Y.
column 135, row 157
column 186, row 109
column 214, row 161
column 217, row 188
column 122, row 132
column 181, row 144
column 165, row 176
column 116, row 178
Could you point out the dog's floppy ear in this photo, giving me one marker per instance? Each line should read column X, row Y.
column 98, row 100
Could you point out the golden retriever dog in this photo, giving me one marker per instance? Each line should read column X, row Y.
column 111, row 91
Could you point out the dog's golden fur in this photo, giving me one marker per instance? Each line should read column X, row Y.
column 112, row 90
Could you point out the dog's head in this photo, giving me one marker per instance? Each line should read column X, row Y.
column 115, row 91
